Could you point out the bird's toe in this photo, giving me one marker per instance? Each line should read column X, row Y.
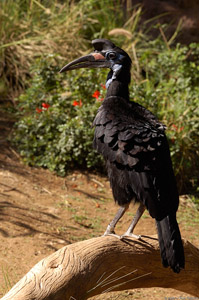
column 130, row 235
column 112, row 234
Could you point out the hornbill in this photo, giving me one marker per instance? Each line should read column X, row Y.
column 135, row 148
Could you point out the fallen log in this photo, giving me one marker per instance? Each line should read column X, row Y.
column 99, row 265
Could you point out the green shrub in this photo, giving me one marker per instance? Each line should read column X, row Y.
column 55, row 117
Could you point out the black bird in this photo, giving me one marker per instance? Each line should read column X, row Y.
column 135, row 148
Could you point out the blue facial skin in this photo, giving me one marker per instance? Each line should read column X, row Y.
column 116, row 66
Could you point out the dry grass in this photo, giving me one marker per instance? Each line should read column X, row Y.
column 30, row 30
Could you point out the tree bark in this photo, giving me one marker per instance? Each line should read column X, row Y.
column 99, row 265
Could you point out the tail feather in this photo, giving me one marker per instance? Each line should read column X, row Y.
column 171, row 247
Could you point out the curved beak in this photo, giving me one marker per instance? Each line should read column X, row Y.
column 93, row 60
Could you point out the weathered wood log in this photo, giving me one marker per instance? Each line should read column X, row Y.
column 99, row 265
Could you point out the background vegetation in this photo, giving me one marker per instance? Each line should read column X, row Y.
column 55, row 112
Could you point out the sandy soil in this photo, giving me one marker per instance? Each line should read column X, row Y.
column 41, row 212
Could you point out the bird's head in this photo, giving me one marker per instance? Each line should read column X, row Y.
column 105, row 55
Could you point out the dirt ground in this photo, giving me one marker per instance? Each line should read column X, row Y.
column 41, row 212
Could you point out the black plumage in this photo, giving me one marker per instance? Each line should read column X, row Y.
column 135, row 148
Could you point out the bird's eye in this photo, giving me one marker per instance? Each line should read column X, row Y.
column 111, row 55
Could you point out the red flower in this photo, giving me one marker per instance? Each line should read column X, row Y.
column 174, row 127
column 77, row 103
column 38, row 110
column 103, row 86
column 96, row 94
column 45, row 105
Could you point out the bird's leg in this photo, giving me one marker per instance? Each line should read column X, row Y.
column 110, row 228
column 129, row 232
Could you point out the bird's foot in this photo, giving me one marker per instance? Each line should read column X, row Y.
column 127, row 235
column 110, row 232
